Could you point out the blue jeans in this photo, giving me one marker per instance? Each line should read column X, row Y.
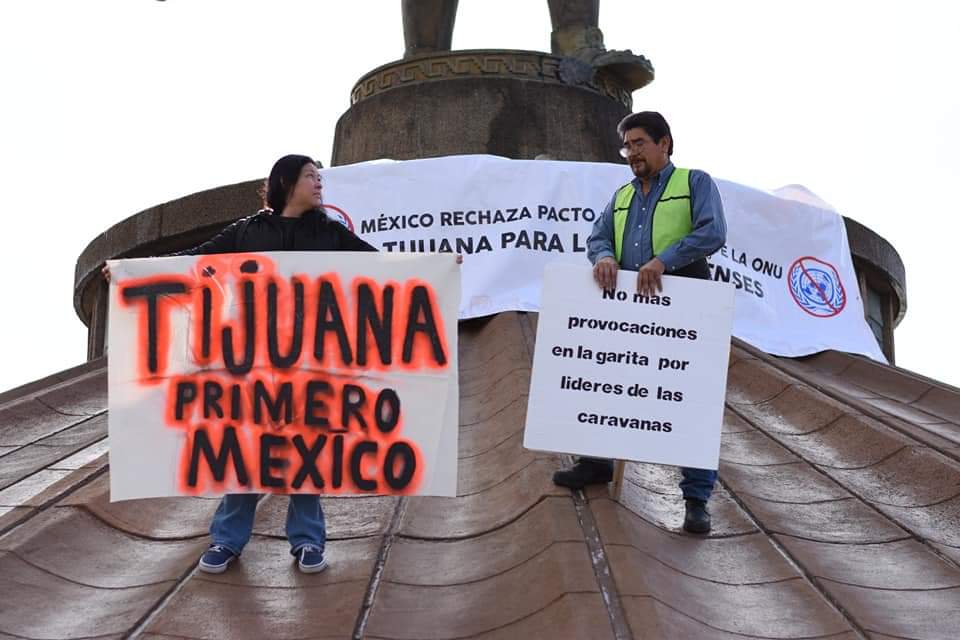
column 232, row 524
column 696, row 483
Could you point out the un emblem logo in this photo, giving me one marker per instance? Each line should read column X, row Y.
column 816, row 287
column 338, row 215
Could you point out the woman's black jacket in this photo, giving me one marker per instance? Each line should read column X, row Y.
column 266, row 231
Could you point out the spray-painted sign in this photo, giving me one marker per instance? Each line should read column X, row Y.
column 283, row 373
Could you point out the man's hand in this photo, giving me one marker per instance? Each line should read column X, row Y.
column 649, row 282
column 605, row 273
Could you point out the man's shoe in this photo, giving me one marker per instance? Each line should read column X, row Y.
column 216, row 559
column 583, row 473
column 697, row 518
column 310, row 559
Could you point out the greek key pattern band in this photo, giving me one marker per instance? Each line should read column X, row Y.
column 479, row 64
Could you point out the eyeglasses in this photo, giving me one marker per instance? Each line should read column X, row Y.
column 630, row 145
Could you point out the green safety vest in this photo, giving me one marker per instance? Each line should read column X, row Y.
column 672, row 219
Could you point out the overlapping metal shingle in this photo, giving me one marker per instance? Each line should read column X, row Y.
column 837, row 516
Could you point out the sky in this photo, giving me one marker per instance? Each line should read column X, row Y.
column 112, row 106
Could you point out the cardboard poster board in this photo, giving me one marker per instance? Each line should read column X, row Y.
column 618, row 375
column 287, row 372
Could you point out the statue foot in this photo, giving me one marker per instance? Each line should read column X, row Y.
column 628, row 69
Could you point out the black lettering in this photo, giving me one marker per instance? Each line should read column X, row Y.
column 186, row 393
column 354, row 398
column 216, row 461
column 379, row 325
column 212, row 392
column 402, row 453
column 282, row 403
column 205, row 335
column 328, row 305
column 235, row 407
column 363, row 447
column 386, row 411
column 464, row 245
column 420, row 303
column 249, row 315
column 152, row 292
column 308, row 457
column 315, row 407
column 296, row 342
column 336, row 472
column 539, row 241
column 268, row 462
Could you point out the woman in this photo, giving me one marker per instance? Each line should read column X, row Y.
column 293, row 220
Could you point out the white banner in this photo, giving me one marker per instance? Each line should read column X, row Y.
column 619, row 375
column 789, row 261
column 296, row 372
column 797, row 292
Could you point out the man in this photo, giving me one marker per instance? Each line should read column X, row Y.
column 665, row 221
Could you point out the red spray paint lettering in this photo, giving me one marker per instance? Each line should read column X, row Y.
column 267, row 414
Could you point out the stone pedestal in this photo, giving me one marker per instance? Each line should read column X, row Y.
column 517, row 104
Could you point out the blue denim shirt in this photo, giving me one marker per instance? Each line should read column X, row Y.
column 709, row 226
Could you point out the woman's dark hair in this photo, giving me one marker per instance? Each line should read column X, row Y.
column 650, row 121
column 283, row 175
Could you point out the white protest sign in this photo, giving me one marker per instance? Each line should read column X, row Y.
column 618, row 375
column 287, row 372
column 796, row 290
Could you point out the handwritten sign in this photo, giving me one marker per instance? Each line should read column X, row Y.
column 620, row 375
column 283, row 373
